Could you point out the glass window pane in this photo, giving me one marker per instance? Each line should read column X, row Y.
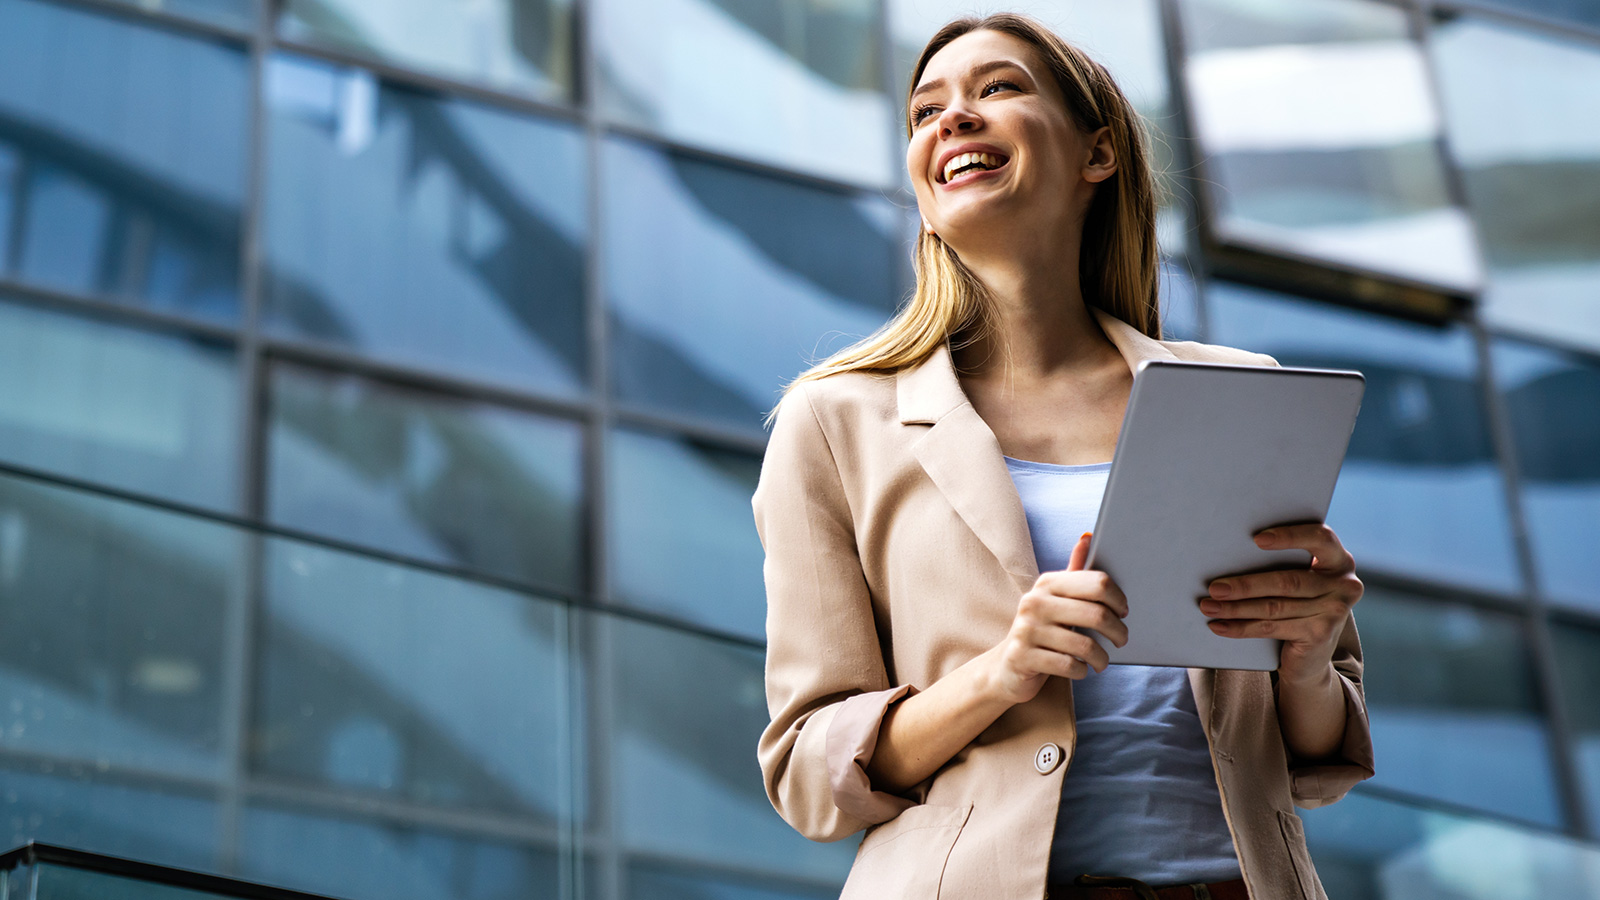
column 424, row 231
column 73, row 809
column 1553, row 403
column 134, row 409
column 754, row 79
column 1367, row 848
column 114, row 620
column 1420, row 492
column 1124, row 37
column 444, row 480
column 123, row 153
column 681, row 534
column 1580, row 12
column 1320, row 133
column 1453, row 708
column 684, row 780
column 239, row 14
column 723, row 284
column 519, row 45
column 1524, row 117
column 1578, row 662
column 657, row 880
column 370, row 860
column 381, row 678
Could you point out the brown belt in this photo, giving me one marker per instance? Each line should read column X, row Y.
column 1095, row 887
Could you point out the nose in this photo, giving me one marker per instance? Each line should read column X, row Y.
column 958, row 119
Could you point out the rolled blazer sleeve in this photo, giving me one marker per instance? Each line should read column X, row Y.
column 1319, row 783
column 827, row 686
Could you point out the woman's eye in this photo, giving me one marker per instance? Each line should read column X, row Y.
column 921, row 113
column 990, row 87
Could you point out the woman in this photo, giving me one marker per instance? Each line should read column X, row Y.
column 920, row 505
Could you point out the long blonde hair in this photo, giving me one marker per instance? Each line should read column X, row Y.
column 1117, row 262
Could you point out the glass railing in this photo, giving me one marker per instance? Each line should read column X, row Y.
column 46, row 872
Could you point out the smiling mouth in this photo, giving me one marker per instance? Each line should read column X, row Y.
column 964, row 163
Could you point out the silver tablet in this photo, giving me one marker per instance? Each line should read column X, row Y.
column 1209, row 455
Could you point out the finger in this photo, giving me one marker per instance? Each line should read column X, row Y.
column 1074, row 643
column 1049, row 662
column 1080, row 554
column 1282, row 583
column 1301, row 629
column 1083, row 615
column 1327, row 551
column 1273, row 608
column 1086, row 584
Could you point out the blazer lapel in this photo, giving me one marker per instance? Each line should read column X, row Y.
column 963, row 458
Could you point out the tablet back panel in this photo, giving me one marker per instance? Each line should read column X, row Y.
column 1209, row 455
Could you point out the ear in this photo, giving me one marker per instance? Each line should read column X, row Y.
column 1102, row 158
column 926, row 225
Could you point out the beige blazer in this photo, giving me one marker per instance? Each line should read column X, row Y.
column 897, row 550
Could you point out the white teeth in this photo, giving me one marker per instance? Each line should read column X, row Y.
column 961, row 160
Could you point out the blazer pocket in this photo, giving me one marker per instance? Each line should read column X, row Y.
column 1294, row 839
column 905, row 856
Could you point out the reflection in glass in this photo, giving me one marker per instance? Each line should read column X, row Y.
column 1553, row 403
column 1420, row 492
column 1451, row 698
column 122, row 159
column 1524, row 117
column 683, row 772
column 487, row 488
column 377, row 677
column 656, row 880
column 754, row 79
column 1320, row 134
column 723, row 284
column 1578, row 662
column 362, row 860
column 239, row 14
column 520, row 45
column 142, row 411
column 424, row 231
column 72, row 809
column 1180, row 303
column 1366, row 848
column 681, row 536
column 114, row 619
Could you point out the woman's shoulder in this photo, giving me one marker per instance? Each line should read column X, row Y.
column 1193, row 351
column 841, row 396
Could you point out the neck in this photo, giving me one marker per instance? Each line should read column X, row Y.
column 1041, row 324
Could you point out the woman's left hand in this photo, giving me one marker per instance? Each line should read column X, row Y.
column 1304, row 608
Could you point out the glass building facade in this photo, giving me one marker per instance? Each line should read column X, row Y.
column 381, row 387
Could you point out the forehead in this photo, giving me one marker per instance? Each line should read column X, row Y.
column 976, row 48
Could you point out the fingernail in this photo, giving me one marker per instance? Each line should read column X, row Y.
column 1221, row 590
column 1210, row 607
column 1085, row 534
column 1216, row 626
column 1265, row 538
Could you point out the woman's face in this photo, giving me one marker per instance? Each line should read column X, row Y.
column 992, row 147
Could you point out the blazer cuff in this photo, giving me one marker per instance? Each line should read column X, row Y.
column 852, row 738
column 1324, row 782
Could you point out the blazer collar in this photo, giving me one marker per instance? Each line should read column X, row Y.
column 963, row 458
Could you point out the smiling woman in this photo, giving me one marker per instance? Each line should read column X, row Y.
column 930, row 675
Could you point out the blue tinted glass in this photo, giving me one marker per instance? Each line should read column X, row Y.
column 723, row 284
column 796, row 83
column 1421, row 492
column 233, row 13
column 369, row 860
column 73, row 809
column 129, row 408
column 684, row 780
column 1581, row 12
column 661, row 881
column 114, row 622
column 1553, row 402
column 1367, row 848
column 1451, row 697
column 424, row 231
column 124, row 150
column 427, row 476
column 681, row 535
column 1578, row 664
column 1180, row 304
column 519, row 45
column 381, row 678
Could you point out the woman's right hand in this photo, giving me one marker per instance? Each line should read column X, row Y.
column 1042, row 641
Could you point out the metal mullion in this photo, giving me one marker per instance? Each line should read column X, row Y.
column 103, row 770
column 1541, row 645
column 417, row 79
column 136, row 13
column 1426, row 803
column 466, row 821
column 1587, row 354
column 1184, row 158
column 1575, row 616
column 116, row 312
column 1531, row 21
column 1444, row 592
column 698, row 430
column 779, row 880
column 241, row 637
column 409, row 376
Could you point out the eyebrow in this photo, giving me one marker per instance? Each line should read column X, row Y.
column 983, row 69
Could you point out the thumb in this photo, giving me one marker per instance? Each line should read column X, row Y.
column 1080, row 554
